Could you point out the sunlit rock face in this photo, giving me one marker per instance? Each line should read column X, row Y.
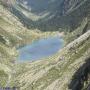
column 8, row 3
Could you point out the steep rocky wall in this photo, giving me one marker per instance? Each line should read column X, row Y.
column 81, row 79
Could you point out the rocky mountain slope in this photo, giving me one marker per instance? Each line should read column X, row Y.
column 57, row 72
column 67, row 69
column 55, row 15
column 12, row 35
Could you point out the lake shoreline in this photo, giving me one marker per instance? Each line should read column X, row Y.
column 47, row 46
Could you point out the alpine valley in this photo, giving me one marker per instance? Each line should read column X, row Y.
column 33, row 22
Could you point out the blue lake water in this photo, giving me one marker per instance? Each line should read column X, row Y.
column 40, row 49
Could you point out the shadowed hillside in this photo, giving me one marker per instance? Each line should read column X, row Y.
column 57, row 15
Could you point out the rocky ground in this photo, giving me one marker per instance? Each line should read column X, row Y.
column 56, row 72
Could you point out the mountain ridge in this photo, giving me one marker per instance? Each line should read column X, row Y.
column 59, row 14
